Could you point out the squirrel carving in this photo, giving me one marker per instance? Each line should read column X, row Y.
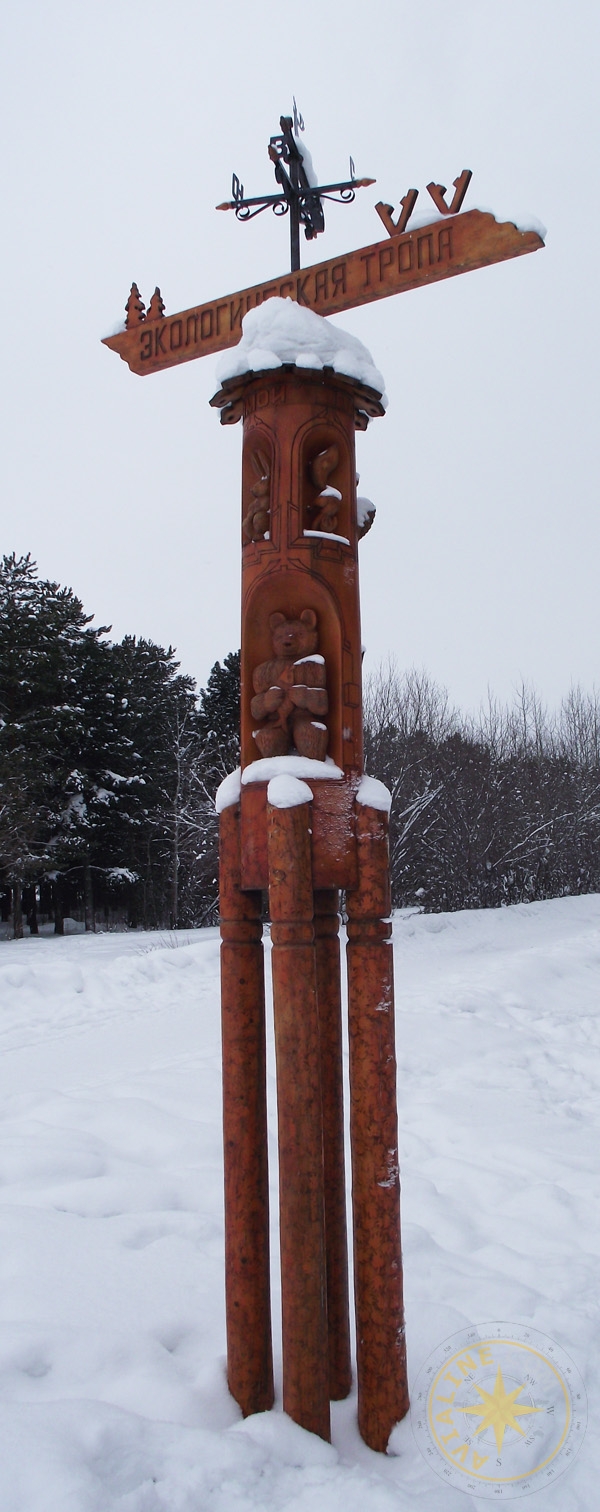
column 256, row 521
column 327, row 504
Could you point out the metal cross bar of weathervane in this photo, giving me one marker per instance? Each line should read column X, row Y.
column 302, row 199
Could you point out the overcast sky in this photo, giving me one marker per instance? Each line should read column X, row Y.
column 122, row 123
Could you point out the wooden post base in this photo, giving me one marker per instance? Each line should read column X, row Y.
column 247, row 1280
column 297, row 1046
column 307, row 1017
column 327, row 954
column 381, row 1349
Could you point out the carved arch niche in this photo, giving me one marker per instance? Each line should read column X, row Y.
column 259, row 491
column 327, row 482
column 291, row 594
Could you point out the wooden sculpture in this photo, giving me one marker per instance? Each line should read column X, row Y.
column 291, row 690
column 304, row 822
column 301, row 710
column 256, row 521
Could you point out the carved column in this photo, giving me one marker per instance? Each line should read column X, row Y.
column 247, row 1281
column 381, row 1349
column 301, row 697
column 301, row 1202
column 327, row 952
column 300, row 532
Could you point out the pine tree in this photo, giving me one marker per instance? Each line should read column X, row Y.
column 156, row 708
column 156, row 308
column 108, row 763
column 134, row 309
column 219, row 717
column 43, row 634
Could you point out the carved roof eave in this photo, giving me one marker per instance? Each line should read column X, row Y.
column 230, row 397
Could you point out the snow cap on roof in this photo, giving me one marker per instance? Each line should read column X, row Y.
column 279, row 330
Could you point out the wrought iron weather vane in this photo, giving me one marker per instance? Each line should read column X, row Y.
column 453, row 243
column 299, row 198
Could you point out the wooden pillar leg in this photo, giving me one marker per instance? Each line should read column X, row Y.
column 327, row 954
column 247, row 1281
column 301, row 1209
column 381, row 1348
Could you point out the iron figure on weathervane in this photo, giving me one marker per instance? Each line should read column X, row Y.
column 301, row 199
column 301, row 821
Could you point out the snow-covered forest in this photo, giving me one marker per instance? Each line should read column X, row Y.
column 499, row 808
column 110, row 759
column 108, row 765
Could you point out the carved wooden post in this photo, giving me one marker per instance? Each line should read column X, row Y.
column 381, row 1349
column 301, row 699
column 301, row 1202
column 327, row 951
column 247, row 1284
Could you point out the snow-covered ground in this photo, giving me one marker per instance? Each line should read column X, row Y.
column 112, row 1382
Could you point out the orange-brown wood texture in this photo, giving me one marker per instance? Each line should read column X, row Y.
column 381, row 1349
column 327, row 953
column 457, row 244
column 300, row 1123
column 333, row 847
column 247, row 1282
column 301, row 662
column 290, row 422
column 299, row 428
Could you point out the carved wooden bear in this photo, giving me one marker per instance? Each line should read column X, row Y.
column 290, row 690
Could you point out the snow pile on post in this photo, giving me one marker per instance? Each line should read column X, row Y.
column 303, row 767
column 374, row 794
column 271, row 768
column 288, row 792
column 280, row 331
column 228, row 791
column 364, row 509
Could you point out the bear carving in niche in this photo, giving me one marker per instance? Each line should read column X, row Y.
column 290, row 693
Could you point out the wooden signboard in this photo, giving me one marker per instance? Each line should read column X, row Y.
column 455, row 244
